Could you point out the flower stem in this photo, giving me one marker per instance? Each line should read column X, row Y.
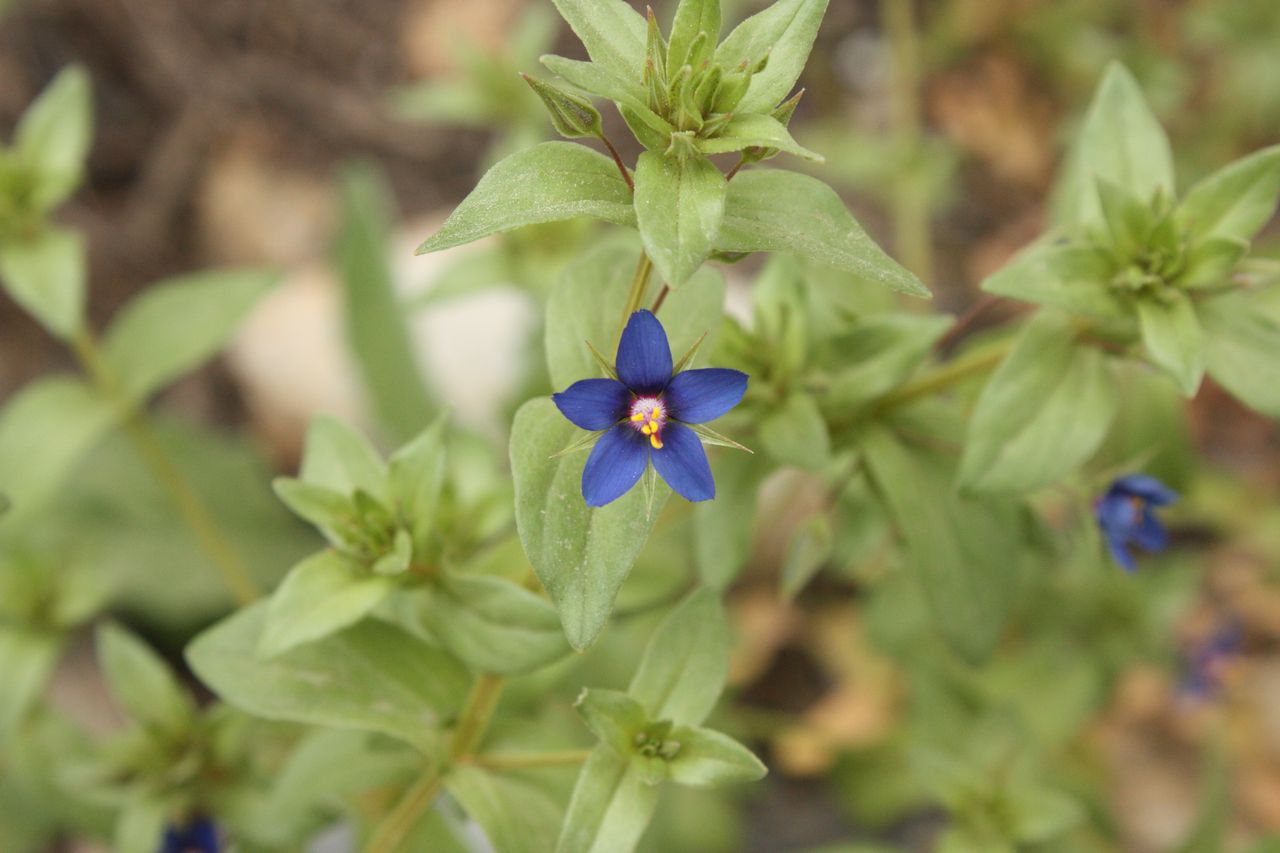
column 635, row 297
column 946, row 375
column 622, row 167
column 188, row 502
column 742, row 161
column 516, row 761
column 662, row 297
column 472, row 723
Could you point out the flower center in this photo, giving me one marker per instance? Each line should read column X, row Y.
column 649, row 416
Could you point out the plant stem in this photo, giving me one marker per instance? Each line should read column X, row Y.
column 946, row 375
column 472, row 723
column 499, row 761
column 910, row 208
column 742, row 161
column 190, row 506
column 622, row 167
column 635, row 296
column 662, row 297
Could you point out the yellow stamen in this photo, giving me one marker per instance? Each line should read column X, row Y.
column 655, row 441
column 638, row 417
column 647, row 429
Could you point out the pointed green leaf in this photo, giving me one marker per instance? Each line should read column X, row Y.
column 772, row 210
column 581, row 555
column 372, row 676
column 809, row 549
column 1173, row 338
column 784, row 32
column 45, row 274
column 1242, row 349
column 177, row 325
column 795, row 433
column 598, row 80
column 44, row 430
column 27, row 659
column 1121, row 141
column 337, row 457
column 686, row 662
column 320, row 596
column 375, row 316
column 416, row 476
column 517, row 815
column 610, row 807
column 1042, row 413
column 755, row 130
column 709, row 759
column 1071, row 277
column 53, row 137
column 723, row 528
column 679, row 206
column 496, row 626
column 142, row 683
column 1235, row 201
column 881, row 352
column 546, row 183
column 613, row 33
column 963, row 553
column 693, row 17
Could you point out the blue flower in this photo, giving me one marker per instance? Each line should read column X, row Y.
column 198, row 836
column 1127, row 518
column 644, row 415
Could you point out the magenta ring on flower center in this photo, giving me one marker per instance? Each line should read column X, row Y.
column 648, row 415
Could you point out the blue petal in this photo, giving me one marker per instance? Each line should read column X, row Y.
column 682, row 462
column 1120, row 553
column 644, row 356
column 1117, row 515
column 594, row 403
column 1150, row 534
column 698, row 396
column 1148, row 488
column 614, row 466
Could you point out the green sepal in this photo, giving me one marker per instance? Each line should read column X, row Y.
column 573, row 117
column 1173, row 338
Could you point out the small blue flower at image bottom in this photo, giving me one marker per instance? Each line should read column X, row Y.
column 1126, row 516
column 645, row 415
column 198, row 836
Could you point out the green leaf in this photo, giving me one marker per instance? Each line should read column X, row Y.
column 546, row 183
column 1242, row 347
column 613, row 717
column 784, row 32
column 755, row 130
column 693, row 17
column 44, row 430
column 626, row 92
column 1074, row 278
column 685, row 663
column 796, row 434
column 321, row 595
column 1041, row 814
column 1173, row 338
column 1235, row 201
column 613, row 33
column 515, row 814
column 809, row 549
column 610, row 807
column 45, row 274
column 375, row 317
column 337, row 457
column 772, row 210
column 709, row 759
column 962, row 552
column 416, row 478
column 581, row 555
column 177, row 325
column 495, row 626
column 333, row 513
column 722, row 528
column 53, row 137
column 141, row 683
column 140, row 825
column 27, row 659
column 1042, row 413
column 373, row 676
column 882, row 351
column 1210, row 263
column 587, row 303
column 1122, row 141
column 679, row 206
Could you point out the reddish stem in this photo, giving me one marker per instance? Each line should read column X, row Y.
column 626, row 176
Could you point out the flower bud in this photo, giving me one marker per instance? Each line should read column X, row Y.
column 573, row 116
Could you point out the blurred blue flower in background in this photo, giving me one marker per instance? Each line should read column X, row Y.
column 198, row 836
column 1126, row 515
